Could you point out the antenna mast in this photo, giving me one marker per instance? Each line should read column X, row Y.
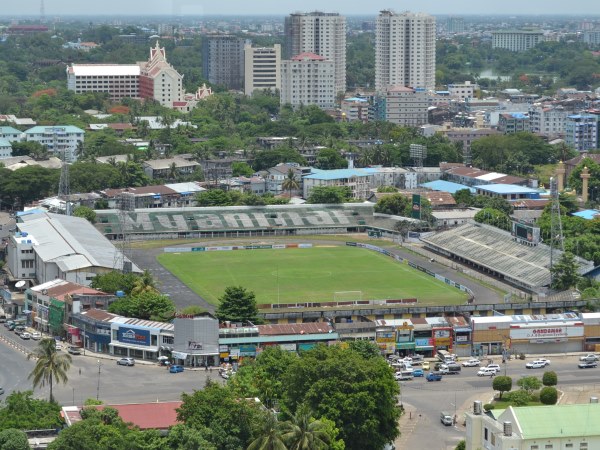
column 64, row 183
column 556, row 233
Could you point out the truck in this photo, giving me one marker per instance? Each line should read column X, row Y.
column 434, row 376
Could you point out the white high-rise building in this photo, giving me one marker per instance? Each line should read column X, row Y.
column 323, row 34
column 308, row 79
column 404, row 50
column 262, row 68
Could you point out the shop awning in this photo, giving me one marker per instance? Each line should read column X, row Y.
column 424, row 347
column 133, row 347
column 179, row 355
column 405, row 345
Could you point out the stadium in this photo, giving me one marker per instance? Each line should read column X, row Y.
column 483, row 248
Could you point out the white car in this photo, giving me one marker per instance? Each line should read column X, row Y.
column 544, row 360
column 486, row 372
column 589, row 357
column 25, row 335
column 36, row 335
column 537, row 364
column 471, row 363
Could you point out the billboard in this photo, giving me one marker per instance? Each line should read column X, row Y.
column 135, row 336
column 416, row 207
column 526, row 233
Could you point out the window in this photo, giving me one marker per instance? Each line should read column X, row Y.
column 485, row 434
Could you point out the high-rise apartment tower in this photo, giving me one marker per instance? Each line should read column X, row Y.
column 404, row 50
column 323, row 34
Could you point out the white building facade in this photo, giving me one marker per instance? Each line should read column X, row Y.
column 118, row 80
column 262, row 68
column 404, row 50
column 516, row 40
column 323, row 34
column 58, row 140
column 308, row 79
column 549, row 121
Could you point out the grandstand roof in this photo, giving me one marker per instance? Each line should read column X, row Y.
column 494, row 249
column 506, row 189
column 446, row 186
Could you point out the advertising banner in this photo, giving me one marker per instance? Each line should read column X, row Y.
column 135, row 336
column 546, row 332
column 416, row 207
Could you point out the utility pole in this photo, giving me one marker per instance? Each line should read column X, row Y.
column 98, row 387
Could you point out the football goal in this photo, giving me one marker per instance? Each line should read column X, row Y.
column 347, row 296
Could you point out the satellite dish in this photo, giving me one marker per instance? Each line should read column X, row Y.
column 20, row 284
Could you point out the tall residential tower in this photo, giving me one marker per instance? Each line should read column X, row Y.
column 404, row 50
column 323, row 34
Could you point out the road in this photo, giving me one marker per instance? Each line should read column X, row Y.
column 425, row 400
column 107, row 381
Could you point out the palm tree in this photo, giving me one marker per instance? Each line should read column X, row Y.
column 290, row 182
column 50, row 365
column 144, row 283
column 305, row 433
column 269, row 437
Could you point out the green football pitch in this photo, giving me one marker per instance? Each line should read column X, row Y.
column 307, row 275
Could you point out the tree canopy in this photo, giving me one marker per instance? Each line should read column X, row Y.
column 237, row 304
column 23, row 412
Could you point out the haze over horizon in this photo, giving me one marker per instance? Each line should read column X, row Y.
column 282, row 7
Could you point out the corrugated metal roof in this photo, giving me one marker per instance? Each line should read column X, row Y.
column 59, row 238
column 506, row 189
column 446, row 186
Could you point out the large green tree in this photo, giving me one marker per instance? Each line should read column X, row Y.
column 564, row 272
column 330, row 158
column 329, row 194
column 50, row 365
column 222, row 418
column 237, row 304
column 358, row 394
column 21, row 411
column 13, row 439
column 303, row 432
column 502, row 384
column 494, row 217
column 114, row 281
column 147, row 305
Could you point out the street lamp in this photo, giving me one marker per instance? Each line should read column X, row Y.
column 98, row 387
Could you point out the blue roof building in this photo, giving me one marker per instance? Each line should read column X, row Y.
column 507, row 191
column 446, row 186
column 588, row 214
column 58, row 139
column 358, row 180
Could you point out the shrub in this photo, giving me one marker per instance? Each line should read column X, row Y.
column 502, row 384
column 549, row 395
column 488, row 407
column 518, row 398
column 522, row 356
column 462, row 445
column 550, row 378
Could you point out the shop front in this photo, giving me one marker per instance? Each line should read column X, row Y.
column 196, row 342
column 547, row 338
column 424, row 346
column 137, row 341
column 442, row 339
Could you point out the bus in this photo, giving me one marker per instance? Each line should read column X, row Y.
column 445, row 356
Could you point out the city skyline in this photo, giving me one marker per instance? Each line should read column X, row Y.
column 277, row 7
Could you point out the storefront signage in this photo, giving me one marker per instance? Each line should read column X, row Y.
column 443, row 342
column 193, row 345
column 288, row 347
column 424, row 342
column 133, row 336
column 247, row 350
column 546, row 333
column 441, row 334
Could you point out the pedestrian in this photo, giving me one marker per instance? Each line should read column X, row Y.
column 80, row 371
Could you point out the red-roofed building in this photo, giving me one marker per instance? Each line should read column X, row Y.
column 308, row 79
column 146, row 416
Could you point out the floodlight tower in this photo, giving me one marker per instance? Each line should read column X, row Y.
column 122, row 261
column 64, row 183
column 418, row 153
column 556, row 233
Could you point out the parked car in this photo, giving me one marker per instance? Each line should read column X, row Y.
column 418, row 373
column 535, row 365
column 175, row 369
column 446, row 419
column 11, row 326
column 404, row 375
column 425, row 365
column 57, row 346
column 25, row 335
column 126, row 362
column 589, row 357
column 8, row 323
column 434, row 376
column 18, row 329
column 36, row 335
column 473, row 362
column 74, row 350
column 587, row 364
column 486, row 372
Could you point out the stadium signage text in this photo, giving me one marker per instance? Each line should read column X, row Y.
column 203, row 221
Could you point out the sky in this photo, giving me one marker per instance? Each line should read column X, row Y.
column 281, row 7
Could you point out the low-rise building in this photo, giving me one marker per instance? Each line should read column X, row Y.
column 462, row 91
column 359, row 181
column 507, row 191
column 510, row 123
column 535, row 427
column 581, row 132
column 5, row 148
column 355, row 109
column 164, row 168
column 548, row 120
column 278, row 174
column 137, row 338
column 196, row 342
column 517, row 40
